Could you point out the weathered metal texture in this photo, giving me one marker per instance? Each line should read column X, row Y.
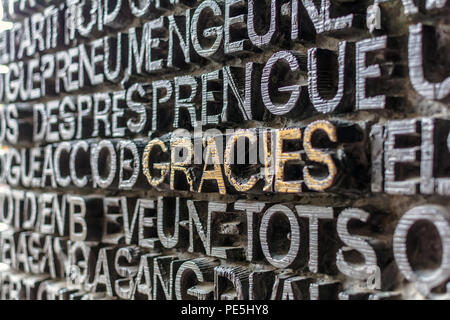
column 225, row 149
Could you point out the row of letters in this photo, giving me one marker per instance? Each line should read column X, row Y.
column 407, row 157
column 162, row 45
column 69, row 246
column 319, row 157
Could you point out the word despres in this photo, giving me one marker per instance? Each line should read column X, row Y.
column 225, row 149
column 72, row 237
column 206, row 35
